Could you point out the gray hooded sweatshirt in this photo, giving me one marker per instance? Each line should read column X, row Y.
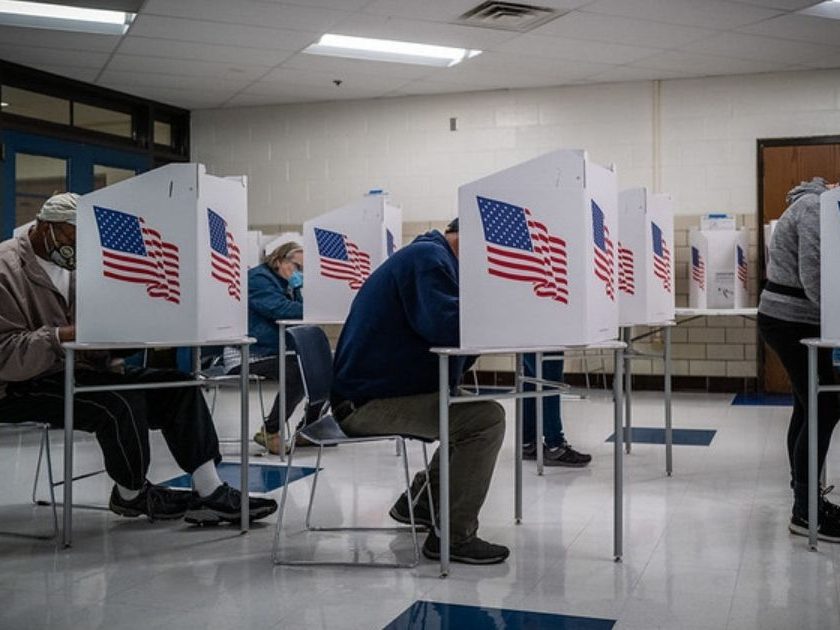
column 795, row 256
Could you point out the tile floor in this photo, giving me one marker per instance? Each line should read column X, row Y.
column 707, row 548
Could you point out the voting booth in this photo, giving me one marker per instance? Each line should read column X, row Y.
column 341, row 249
column 718, row 264
column 160, row 258
column 537, row 258
column 830, row 263
column 769, row 228
column 645, row 257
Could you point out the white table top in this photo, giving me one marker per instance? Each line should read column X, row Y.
column 141, row 345
column 712, row 312
column 670, row 322
column 308, row 322
column 601, row 345
column 821, row 343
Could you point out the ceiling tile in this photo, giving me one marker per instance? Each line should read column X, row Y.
column 88, row 75
column 787, row 5
column 799, row 27
column 447, row 10
column 173, row 81
column 172, row 49
column 632, row 73
column 350, row 82
column 192, row 67
column 32, row 56
column 699, row 65
column 268, row 14
column 219, row 33
column 744, row 46
column 621, row 30
column 574, row 49
column 58, row 39
column 338, row 67
column 383, row 27
column 698, row 13
column 343, row 5
column 188, row 99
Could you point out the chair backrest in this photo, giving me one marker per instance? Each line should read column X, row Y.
column 316, row 368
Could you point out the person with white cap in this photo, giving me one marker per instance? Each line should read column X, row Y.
column 37, row 315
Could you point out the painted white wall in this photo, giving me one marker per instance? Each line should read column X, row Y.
column 699, row 143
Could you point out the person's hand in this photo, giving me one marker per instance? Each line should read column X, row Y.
column 66, row 333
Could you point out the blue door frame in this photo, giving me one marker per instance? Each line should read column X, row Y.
column 80, row 158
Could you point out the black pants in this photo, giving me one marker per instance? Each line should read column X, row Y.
column 784, row 338
column 269, row 367
column 121, row 420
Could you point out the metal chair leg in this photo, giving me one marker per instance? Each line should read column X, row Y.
column 51, row 481
column 44, row 437
column 410, row 501
column 429, row 489
column 314, row 485
column 275, row 551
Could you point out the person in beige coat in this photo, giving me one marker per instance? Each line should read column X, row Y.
column 37, row 296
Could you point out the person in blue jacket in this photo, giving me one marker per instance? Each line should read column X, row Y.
column 386, row 381
column 274, row 292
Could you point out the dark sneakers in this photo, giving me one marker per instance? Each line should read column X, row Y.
column 223, row 506
column 156, row 502
column 828, row 528
column 563, row 455
column 473, row 551
column 399, row 512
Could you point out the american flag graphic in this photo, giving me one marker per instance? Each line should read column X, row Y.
column 520, row 248
column 341, row 259
column 604, row 265
column 626, row 270
column 134, row 252
column 661, row 257
column 698, row 268
column 224, row 255
column 742, row 267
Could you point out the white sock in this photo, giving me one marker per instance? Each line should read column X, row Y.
column 205, row 479
column 127, row 494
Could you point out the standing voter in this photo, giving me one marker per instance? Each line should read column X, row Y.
column 274, row 293
column 789, row 310
column 37, row 314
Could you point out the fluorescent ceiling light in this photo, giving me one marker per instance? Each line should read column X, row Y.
column 389, row 50
column 829, row 9
column 63, row 18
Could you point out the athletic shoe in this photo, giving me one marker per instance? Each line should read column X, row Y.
column 399, row 512
column 827, row 530
column 224, row 506
column 563, row 455
column 473, row 551
column 156, row 502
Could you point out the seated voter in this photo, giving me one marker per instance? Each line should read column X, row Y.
column 273, row 293
column 386, row 381
column 37, row 285
column 788, row 311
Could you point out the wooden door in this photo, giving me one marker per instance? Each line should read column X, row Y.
column 782, row 164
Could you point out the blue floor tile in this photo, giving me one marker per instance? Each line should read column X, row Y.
column 439, row 616
column 261, row 477
column 682, row 437
column 772, row 400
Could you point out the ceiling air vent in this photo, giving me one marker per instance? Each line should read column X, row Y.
column 508, row 16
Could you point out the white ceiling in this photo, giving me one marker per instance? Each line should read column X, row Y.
column 224, row 53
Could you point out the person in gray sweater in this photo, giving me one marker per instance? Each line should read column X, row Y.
column 788, row 311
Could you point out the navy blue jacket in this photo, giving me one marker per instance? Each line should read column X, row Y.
column 409, row 304
column 269, row 298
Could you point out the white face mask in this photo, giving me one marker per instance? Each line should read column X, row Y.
column 62, row 255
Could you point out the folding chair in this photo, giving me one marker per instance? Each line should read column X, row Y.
column 321, row 428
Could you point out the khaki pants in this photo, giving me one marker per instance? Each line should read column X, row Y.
column 476, row 431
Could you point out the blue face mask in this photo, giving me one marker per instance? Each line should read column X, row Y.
column 296, row 280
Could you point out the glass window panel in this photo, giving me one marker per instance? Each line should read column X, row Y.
column 37, row 178
column 102, row 120
column 107, row 175
column 34, row 105
column 163, row 133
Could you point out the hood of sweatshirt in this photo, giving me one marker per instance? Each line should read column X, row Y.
column 816, row 186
